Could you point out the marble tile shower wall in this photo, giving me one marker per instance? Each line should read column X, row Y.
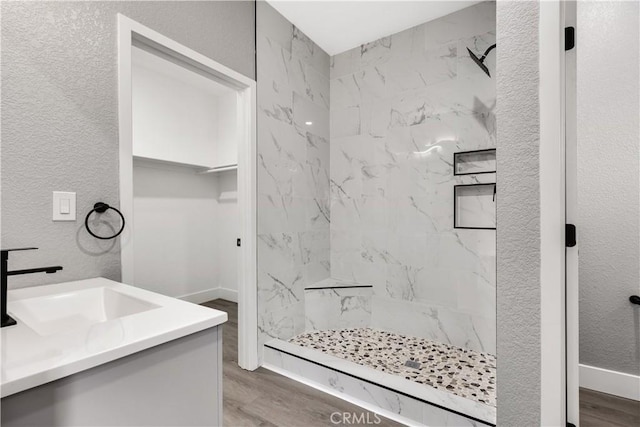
column 400, row 107
column 293, row 172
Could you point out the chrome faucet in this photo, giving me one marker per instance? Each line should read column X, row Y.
column 6, row 319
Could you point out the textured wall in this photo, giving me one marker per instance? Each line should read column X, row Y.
column 59, row 114
column 608, row 84
column 518, row 211
column 293, row 172
column 401, row 106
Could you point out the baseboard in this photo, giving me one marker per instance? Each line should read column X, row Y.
column 610, row 382
column 211, row 294
column 228, row 294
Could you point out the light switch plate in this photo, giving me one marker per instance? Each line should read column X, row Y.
column 64, row 206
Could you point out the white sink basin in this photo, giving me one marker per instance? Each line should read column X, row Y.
column 60, row 313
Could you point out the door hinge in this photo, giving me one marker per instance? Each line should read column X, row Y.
column 238, row 242
column 570, row 235
column 569, row 38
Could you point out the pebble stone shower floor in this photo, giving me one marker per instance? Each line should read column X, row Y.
column 466, row 373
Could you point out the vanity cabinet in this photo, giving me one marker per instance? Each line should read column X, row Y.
column 178, row 383
column 96, row 352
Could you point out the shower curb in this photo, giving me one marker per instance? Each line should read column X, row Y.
column 341, row 378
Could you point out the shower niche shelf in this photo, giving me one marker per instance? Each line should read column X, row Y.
column 474, row 206
column 474, row 162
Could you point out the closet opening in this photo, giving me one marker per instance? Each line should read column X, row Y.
column 187, row 176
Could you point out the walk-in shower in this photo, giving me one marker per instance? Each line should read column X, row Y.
column 376, row 215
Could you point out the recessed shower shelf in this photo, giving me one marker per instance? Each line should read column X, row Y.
column 474, row 162
column 474, row 206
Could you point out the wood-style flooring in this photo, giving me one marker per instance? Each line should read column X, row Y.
column 264, row 398
column 604, row 410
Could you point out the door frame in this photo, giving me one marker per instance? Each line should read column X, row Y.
column 558, row 182
column 131, row 32
column 553, row 387
column 571, row 213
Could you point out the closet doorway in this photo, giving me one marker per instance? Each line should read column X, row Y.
column 187, row 176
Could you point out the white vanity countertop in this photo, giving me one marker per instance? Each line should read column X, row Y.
column 31, row 357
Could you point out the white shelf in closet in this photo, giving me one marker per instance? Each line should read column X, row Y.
column 220, row 169
column 158, row 161
column 200, row 169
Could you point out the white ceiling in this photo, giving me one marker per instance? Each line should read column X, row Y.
column 337, row 26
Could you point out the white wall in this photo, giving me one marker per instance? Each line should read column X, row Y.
column 228, row 226
column 174, row 229
column 184, row 228
column 227, row 139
